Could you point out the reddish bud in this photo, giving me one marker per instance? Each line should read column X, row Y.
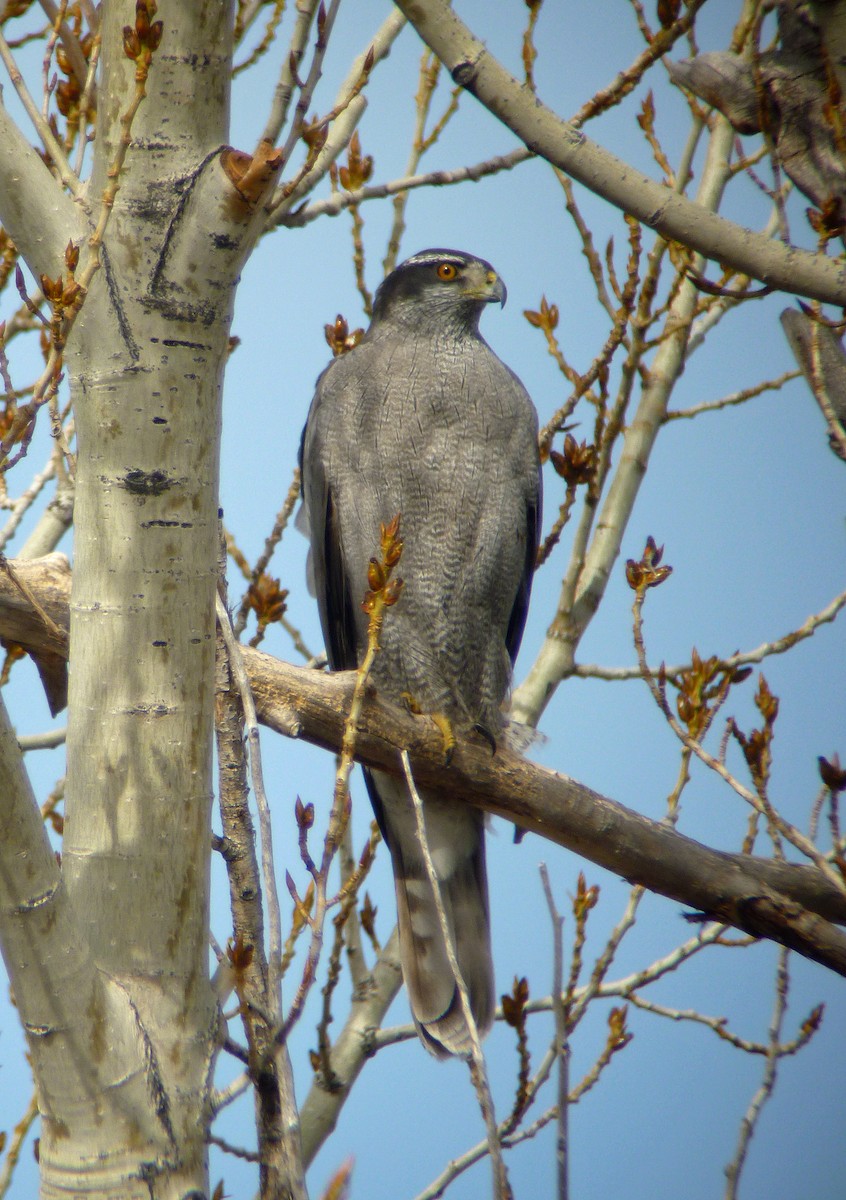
column 131, row 44
column 392, row 591
column 375, row 575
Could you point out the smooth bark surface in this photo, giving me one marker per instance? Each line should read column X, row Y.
column 146, row 357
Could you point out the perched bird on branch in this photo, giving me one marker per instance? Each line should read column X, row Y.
column 422, row 419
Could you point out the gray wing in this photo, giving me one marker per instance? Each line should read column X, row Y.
column 331, row 581
column 517, row 620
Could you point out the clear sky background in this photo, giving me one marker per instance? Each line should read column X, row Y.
column 749, row 503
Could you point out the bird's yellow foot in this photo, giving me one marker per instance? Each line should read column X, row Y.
column 445, row 726
column 441, row 720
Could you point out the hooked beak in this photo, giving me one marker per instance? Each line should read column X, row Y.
column 486, row 286
column 498, row 289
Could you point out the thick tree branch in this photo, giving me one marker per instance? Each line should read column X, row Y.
column 819, row 352
column 38, row 216
column 471, row 65
column 789, row 903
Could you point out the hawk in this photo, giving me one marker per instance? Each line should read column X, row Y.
column 422, row 419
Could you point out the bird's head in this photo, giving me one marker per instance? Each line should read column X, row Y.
column 438, row 289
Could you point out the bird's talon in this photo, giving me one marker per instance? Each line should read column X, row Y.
column 445, row 726
column 485, row 733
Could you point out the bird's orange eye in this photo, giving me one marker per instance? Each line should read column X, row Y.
column 446, row 271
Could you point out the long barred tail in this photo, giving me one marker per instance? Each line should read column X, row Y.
column 456, row 837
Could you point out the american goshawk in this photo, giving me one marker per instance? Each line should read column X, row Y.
column 422, row 419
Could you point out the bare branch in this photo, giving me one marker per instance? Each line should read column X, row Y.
column 585, row 584
column 756, row 799
column 350, row 107
column 735, row 398
column 16, row 1144
column 562, row 1050
column 39, row 217
column 478, row 1071
column 321, row 1108
column 42, row 741
column 287, row 77
column 48, row 140
column 256, row 980
column 332, row 205
column 69, row 41
column 753, row 1112
column 236, row 665
column 778, row 645
column 789, row 903
column 561, row 144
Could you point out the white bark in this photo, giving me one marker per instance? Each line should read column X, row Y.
column 87, row 1048
column 146, row 358
column 38, row 215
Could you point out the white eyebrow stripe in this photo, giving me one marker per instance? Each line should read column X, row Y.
column 418, row 259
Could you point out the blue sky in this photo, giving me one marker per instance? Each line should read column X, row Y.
column 749, row 504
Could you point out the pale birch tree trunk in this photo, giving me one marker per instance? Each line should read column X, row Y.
column 117, row 1005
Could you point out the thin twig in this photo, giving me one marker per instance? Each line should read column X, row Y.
column 627, row 80
column 236, row 1151
column 762, row 806
column 768, row 385
column 429, row 72
column 222, row 1097
column 271, row 542
column 384, row 594
column 21, row 506
column 274, row 917
column 69, row 40
column 777, row 646
column 502, row 1188
column 562, row 1050
column 332, row 205
column 18, row 1138
column 86, row 102
column 707, row 936
column 762, row 1095
column 310, row 82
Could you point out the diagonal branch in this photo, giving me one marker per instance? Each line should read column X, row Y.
column 38, row 216
column 792, row 904
column 321, row 1108
column 674, row 216
column 48, row 139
